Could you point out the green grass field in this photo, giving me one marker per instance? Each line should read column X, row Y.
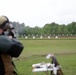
column 35, row 51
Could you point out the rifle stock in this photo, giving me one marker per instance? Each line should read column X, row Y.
column 54, row 60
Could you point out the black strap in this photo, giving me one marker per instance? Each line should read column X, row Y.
column 2, row 71
column 15, row 71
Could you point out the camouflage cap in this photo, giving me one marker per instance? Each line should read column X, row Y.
column 3, row 21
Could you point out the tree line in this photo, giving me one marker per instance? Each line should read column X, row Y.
column 50, row 29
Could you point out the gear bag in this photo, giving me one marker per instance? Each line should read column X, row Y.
column 8, row 66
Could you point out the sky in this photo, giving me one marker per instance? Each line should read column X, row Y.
column 39, row 12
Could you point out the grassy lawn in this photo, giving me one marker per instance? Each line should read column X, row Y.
column 36, row 50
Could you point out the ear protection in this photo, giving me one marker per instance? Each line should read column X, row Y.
column 6, row 27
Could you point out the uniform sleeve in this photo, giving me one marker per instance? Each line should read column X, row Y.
column 16, row 48
column 5, row 44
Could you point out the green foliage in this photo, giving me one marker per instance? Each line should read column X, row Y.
column 72, row 28
column 48, row 29
column 53, row 29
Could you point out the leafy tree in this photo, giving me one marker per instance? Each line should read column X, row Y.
column 72, row 28
column 48, row 29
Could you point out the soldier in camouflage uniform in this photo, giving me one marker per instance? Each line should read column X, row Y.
column 9, row 48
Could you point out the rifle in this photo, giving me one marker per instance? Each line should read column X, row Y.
column 54, row 61
column 53, row 67
column 10, row 31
